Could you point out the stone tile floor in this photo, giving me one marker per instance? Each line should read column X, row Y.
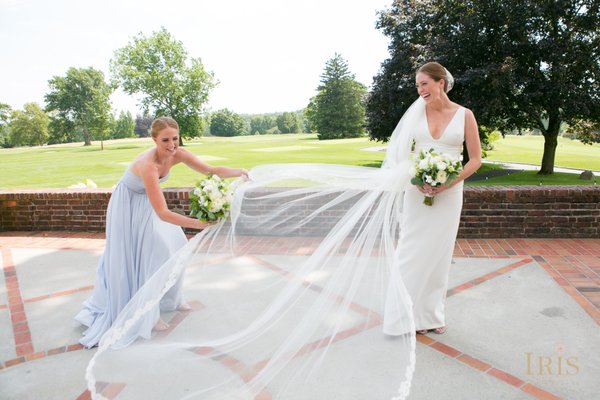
column 523, row 315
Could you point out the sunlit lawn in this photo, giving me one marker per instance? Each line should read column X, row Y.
column 532, row 178
column 63, row 165
column 529, row 149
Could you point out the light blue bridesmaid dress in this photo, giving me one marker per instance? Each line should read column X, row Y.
column 138, row 242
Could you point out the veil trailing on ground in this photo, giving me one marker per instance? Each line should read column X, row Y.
column 294, row 297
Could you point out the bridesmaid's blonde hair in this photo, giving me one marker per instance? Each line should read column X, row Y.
column 435, row 71
column 161, row 123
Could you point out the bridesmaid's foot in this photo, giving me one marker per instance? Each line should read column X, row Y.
column 184, row 307
column 422, row 332
column 161, row 326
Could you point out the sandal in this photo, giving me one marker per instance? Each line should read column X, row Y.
column 161, row 326
column 422, row 332
column 440, row 330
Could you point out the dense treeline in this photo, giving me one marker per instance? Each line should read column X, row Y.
column 520, row 65
column 77, row 106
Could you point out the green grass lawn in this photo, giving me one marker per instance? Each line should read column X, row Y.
column 60, row 166
column 529, row 149
column 532, row 178
column 65, row 165
column 526, row 178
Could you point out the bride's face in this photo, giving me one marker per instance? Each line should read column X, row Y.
column 167, row 141
column 428, row 88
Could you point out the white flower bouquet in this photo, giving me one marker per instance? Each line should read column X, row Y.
column 434, row 169
column 211, row 198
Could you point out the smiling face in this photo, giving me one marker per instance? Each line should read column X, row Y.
column 167, row 141
column 428, row 88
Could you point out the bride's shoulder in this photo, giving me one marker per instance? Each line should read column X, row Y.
column 468, row 112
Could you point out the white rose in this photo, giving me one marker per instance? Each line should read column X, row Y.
column 423, row 164
column 441, row 166
column 216, row 195
column 214, row 207
column 442, row 176
column 220, row 204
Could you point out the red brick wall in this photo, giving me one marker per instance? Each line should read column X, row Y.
column 488, row 212
column 531, row 212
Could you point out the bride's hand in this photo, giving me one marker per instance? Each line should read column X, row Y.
column 426, row 189
column 439, row 189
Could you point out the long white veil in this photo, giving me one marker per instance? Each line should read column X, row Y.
column 294, row 297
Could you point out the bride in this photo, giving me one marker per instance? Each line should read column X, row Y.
column 305, row 292
column 428, row 233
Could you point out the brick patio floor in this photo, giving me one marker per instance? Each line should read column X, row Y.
column 573, row 264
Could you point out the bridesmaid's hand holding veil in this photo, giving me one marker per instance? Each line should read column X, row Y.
column 203, row 224
column 243, row 173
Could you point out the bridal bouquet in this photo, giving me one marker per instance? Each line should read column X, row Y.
column 434, row 169
column 211, row 198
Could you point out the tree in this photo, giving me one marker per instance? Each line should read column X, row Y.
column 544, row 58
column 406, row 23
column 124, row 126
column 142, row 125
column 227, row 123
column 519, row 64
column 5, row 112
column 104, row 131
column 338, row 111
column 303, row 121
column 157, row 68
column 256, row 126
column 63, row 131
column 81, row 99
column 29, row 127
column 586, row 131
column 288, row 123
column 261, row 124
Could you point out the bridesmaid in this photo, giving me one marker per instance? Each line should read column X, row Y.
column 428, row 232
column 142, row 233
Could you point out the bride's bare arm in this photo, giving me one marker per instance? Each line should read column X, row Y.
column 473, row 148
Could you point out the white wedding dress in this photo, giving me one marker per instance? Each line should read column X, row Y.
column 294, row 298
column 428, row 232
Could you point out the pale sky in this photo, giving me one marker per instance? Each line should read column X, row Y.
column 268, row 55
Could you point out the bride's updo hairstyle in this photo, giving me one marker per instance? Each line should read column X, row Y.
column 436, row 71
column 161, row 123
